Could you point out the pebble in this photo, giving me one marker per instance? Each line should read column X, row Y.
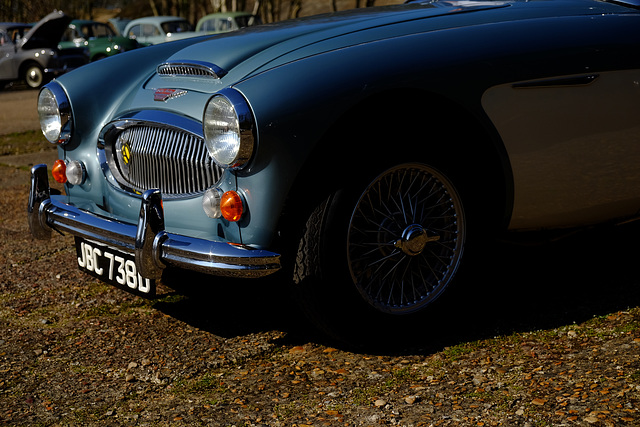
column 411, row 399
column 380, row 402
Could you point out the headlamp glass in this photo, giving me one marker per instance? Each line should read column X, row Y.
column 54, row 112
column 228, row 129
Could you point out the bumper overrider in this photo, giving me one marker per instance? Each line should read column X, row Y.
column 153, row 247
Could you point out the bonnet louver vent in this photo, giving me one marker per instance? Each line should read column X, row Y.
column 190, row 69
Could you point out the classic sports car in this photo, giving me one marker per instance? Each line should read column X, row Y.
column 364, row 155
column 30, row 53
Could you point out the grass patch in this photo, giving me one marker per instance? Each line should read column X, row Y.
column 364, row 396
column 286, row 411
column 27, row 142
column 208, row 383
column 459, row 351
column 210, row 386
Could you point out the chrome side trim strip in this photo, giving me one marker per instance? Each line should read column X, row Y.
column 560, row 81
column 153, row 247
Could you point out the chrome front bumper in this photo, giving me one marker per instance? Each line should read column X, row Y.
column 153, row 247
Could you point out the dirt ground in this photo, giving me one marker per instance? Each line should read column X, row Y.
column 18, row 111
column 549, row 336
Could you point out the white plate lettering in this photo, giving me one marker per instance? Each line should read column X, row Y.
column 111, row 266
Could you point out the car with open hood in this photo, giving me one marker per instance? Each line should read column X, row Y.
column 30, row 52
column 98, row 37
column 366, row 158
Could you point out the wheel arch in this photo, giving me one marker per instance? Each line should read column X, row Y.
column 358, row 132
column 370, row 142
column 24, row 66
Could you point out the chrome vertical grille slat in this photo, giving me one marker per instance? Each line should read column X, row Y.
column 175, row 161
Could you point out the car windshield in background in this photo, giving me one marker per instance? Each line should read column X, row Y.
column 96, row 30
column 631, row 3
column 177, row 27
column 14, row 33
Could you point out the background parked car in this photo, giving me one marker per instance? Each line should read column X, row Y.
column 118, row 25
column 224, row 22
column 159, row 29
column 12, row 32
column 30, row 53
column 99, row 37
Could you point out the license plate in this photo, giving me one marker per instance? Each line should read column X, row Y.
column 113, row 266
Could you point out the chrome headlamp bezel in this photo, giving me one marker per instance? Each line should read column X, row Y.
column 229, row 129
column 54, row 112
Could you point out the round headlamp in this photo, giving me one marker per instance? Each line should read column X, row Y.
column 54, row 111
column 228, row 128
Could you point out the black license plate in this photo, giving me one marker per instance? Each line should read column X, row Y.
column 113, row 266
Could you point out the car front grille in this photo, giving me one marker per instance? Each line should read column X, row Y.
column 146, row 157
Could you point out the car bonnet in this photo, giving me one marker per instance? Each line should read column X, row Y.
column 255, row 49
column 241, row 52
column 47, row 32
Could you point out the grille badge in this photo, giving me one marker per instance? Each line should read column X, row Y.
column 126, row 153
column 165, row 94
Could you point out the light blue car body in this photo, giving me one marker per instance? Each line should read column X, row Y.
column 492, row 92
column 280, row 68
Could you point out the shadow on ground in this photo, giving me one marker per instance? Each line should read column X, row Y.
column 516, row 288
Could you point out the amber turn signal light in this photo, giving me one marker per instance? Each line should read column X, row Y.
column 231, row 206
column 59, row 171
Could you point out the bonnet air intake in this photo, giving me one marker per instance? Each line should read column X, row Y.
column 190, row 69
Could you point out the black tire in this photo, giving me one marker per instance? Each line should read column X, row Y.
column 34, row 76
column 378, row 255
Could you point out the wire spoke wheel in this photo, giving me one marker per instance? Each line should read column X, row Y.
column 405, row 239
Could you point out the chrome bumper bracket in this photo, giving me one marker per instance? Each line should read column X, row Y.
column 153, row 247
column 150, row 234
column 38, row 193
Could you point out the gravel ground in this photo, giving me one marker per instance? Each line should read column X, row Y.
column 550, row 336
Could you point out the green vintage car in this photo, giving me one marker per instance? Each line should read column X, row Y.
column 99, row 37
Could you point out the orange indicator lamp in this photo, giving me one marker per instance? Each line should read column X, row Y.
column 59, row 171
column 231, row 206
